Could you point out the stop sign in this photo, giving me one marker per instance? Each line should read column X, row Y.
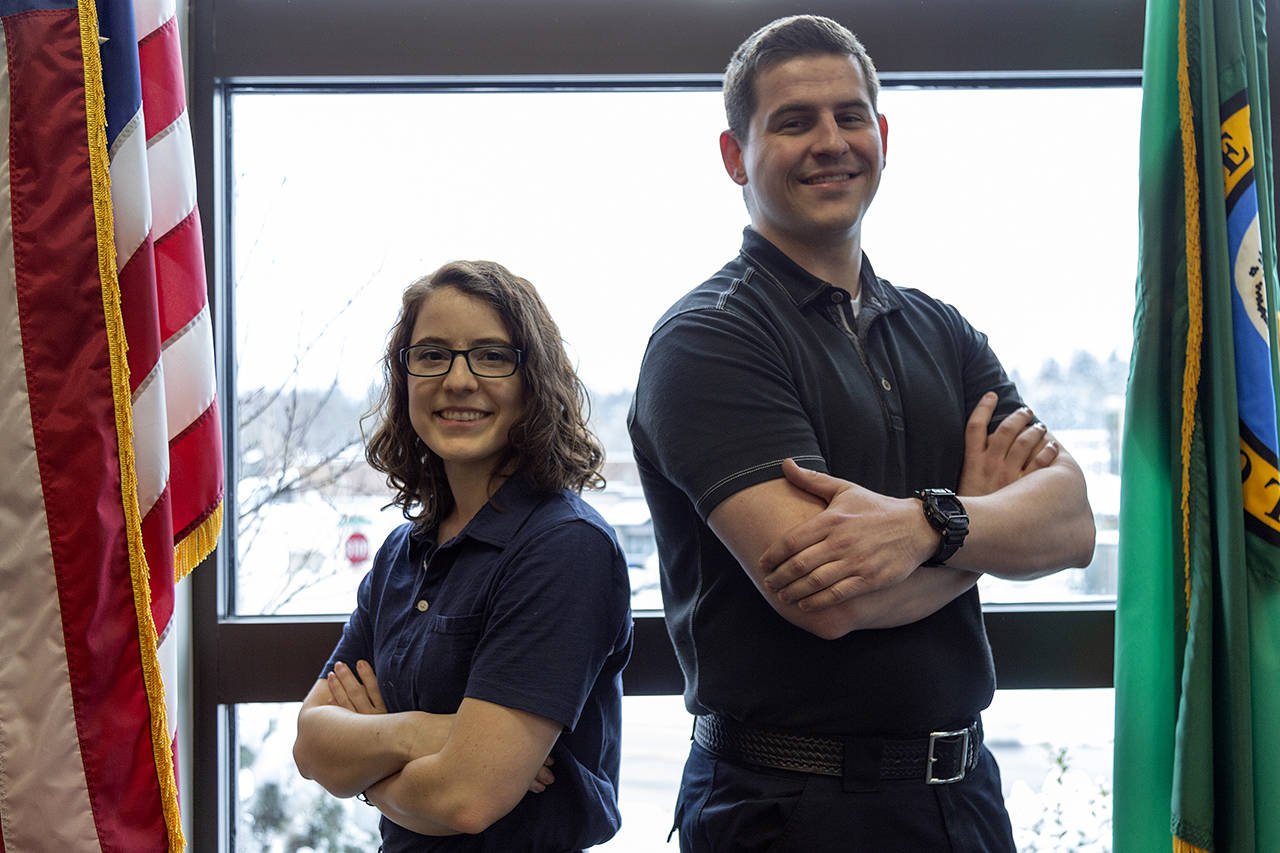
column 357, row 548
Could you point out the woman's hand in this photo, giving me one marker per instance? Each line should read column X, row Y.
column 356, row 691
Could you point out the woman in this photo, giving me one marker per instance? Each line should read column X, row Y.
column 475, row 695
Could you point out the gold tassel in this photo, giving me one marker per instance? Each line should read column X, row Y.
column 197, row 544
column 1180, row 846
column 1195, row 323
column 99, row 163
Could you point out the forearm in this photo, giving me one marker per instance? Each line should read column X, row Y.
column 492, row 755
column 1030, row 528
column 926, row 591
column 393, row 797
column 346, row 752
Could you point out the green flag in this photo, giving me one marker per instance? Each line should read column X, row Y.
column 1198, row 616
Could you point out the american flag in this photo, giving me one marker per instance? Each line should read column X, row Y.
column 112, row 484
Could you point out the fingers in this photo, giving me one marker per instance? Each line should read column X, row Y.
column 365, row 671
column 814, row 482
column 337, row 692
column 1022, row 451
column 975, row 431
column 838, row 581
column 837, row 593
column 544, row 777
column 1015, row 447
column 806, row 533
column 794, row 555
column 825, row 587
column 354, row 697
column 793, row 580
column 827, row 573
column 1044, row 456
column 780, row 560
column 1012, row 428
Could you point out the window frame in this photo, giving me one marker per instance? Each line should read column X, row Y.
column 237, row 45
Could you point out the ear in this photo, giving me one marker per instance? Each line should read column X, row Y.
column 731, row 154
column 884, row 137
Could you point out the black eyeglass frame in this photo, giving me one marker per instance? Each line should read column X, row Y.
column 466, row 356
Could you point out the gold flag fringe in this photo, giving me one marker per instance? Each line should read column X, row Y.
column 1195, row 322
column 95, row 102
column 1195, row 317
column 197, row 544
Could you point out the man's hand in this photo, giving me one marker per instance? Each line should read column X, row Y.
column 1015, row 448
column 862, row 541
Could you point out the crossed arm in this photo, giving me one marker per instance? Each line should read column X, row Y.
column 435, row 774
column 832, row 557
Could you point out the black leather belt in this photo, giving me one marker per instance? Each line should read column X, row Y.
column 937, row 758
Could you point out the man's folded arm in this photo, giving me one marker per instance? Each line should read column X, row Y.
column 750, row 521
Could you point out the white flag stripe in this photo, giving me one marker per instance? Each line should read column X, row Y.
column 42, row 771
column 173, row 176
column 167, row 653
column 150, row 439
column 129, row 195
column 189, row 382
column 149, row 15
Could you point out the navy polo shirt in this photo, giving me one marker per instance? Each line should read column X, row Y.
column 528, row 607
column 765, row 361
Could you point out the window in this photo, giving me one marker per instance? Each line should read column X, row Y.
column 321, row 251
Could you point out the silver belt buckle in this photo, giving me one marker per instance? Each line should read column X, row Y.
column 934, row 737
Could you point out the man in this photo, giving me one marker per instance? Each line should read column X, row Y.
column 802, row 428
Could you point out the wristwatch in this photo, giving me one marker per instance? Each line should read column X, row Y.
column 943, row 510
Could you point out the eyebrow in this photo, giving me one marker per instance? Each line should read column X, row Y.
column 434, row 340
column 809, row 107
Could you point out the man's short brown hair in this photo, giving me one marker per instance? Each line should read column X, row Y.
column 778, row 41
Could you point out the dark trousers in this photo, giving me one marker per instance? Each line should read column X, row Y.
column 727, row 807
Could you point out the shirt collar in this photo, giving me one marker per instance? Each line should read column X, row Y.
column 802, row 286
column 497, row 521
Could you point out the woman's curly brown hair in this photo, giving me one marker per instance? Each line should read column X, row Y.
column 550, row 445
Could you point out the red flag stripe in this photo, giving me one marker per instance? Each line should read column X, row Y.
column 157, row 536
column 189, row 453
column 163, row 89
column 179, row 258
column 141, row 317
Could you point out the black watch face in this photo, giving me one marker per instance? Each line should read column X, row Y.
column 949, row 504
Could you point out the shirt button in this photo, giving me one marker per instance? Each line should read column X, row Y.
column 837, row 296
column 884, row 383
column 422, row 606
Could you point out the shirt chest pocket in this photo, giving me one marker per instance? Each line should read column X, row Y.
column 448, row 647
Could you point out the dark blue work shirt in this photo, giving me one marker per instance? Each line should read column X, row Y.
column 765, row 361
column 528, row 607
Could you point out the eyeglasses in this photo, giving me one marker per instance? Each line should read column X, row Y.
column 492, row 362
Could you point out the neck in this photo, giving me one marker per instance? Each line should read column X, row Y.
column 838, row 262
column 471, row 491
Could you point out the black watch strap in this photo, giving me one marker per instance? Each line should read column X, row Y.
column 945, row 513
